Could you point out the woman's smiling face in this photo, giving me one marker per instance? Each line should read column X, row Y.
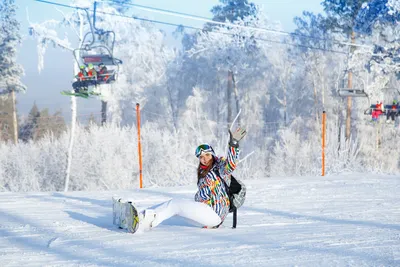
column 206, row 159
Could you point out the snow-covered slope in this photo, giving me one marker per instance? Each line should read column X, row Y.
column 309, row 221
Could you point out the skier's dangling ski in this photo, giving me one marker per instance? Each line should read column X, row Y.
column 80, row 93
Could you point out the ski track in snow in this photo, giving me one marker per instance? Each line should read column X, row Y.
column 347, row 220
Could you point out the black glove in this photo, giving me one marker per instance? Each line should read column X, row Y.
column 236, row 136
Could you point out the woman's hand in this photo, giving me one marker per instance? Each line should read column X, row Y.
column 236, row 136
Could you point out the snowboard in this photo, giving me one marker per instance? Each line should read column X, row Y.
column 125, row 215
column 81, row 94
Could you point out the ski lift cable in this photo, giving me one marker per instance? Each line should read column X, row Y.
column 225, row 33
column 62, row 5
column 204, row 19
column 195, row 28
column 221, row 23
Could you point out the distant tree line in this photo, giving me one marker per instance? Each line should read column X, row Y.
column 34, row 127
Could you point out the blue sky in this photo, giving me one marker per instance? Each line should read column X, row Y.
column 44, row 88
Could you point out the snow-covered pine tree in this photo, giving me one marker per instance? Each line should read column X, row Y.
column 121, row 5
column 10, row 70
column 232, row 10
column 394, row 6
column 381, row 23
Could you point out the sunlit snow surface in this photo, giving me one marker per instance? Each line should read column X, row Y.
column 348, row 220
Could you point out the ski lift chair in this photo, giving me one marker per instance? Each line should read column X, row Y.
column 344, row 91
column 97, row 48
column 99, row 55
column 88, row 56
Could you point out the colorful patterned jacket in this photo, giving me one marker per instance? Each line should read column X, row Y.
column 211, row 188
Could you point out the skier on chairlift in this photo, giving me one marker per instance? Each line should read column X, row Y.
column 92, row 73
column 377, row 111
column 392, row 112
column 102, row 73
column 97, row 46
column 81, row 78
column 82, row 73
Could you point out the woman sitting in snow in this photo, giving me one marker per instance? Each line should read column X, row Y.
column 211, row 204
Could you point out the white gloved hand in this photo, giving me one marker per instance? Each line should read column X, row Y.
column 236, row 136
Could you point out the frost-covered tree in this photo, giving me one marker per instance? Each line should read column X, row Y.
column 202, row 72
column 377, row 20
column 380, row 9
column 232, row 10
column 10, row 71
column 341, row 15
column 394, row 6
column 243, row 54
column 122, row 6
column 373, row 12
column 311, row 32
column 142, row 48
column 292, row 149
column 322, row 64
column 212, row 70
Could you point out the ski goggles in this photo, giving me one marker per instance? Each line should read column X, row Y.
column 203, row 149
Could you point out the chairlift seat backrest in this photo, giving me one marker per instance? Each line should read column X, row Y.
column 373, row 106
column 390, row 107
column 369, row 110
column 97, row 59
column 108, row 72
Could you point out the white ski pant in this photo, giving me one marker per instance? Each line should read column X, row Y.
column 195, row 211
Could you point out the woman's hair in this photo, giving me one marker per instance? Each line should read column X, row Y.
column 201, row 173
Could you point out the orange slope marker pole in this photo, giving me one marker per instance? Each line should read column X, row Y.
column 323, row 141
column 139, row 146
